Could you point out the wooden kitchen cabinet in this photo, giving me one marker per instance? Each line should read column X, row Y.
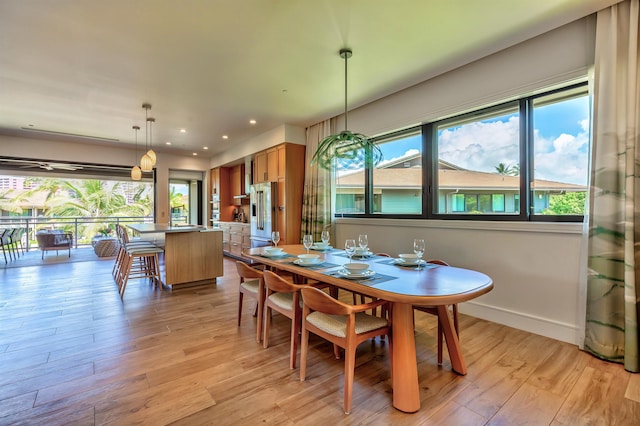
column 284, row 164
column 236, row 179
column 272, row 164
column 239, row 238
column 260, row 167
column 265, row 166
column 220, row 186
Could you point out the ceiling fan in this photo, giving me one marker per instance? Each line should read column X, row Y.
column 58, row 166
column 46, row 165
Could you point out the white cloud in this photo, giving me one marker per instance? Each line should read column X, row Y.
column 482, row 146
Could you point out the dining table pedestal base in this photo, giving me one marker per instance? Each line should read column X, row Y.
column 404, row 378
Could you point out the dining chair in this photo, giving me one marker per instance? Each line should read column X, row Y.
column 252, row 285
column 5, row 241
column 363, row 298
column 16, row 240
column 284, row 297
column 434, row 311
column 343, row 325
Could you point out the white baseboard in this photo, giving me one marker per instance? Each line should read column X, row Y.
column 537, row 325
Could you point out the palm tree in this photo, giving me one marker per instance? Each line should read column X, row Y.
column 8, row 203
column 508, row 170
column 93, row 198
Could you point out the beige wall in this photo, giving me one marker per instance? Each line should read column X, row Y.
column 535, row 266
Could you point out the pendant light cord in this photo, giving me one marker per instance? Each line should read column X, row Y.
column 346, row 57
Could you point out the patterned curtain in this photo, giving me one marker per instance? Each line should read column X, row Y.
column 316, row 201
column 613, row 284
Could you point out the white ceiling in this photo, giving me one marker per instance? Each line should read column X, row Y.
column 85, row 67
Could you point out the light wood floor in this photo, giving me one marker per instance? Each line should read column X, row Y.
column 72, row 353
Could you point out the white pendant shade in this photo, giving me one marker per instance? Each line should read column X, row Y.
column 146, row 164
column 152, row 154
column 136, row 173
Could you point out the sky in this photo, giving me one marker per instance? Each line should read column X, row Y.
column 561, row 138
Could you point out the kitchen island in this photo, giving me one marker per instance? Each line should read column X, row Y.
column 192, row 254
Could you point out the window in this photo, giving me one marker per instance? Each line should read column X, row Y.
column 525, row 159
column 561, row 153
column 397, row 180
column 478, row 153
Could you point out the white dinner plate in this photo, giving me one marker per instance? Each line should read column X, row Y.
column 281, row 254
column 315, row 262
column 346, row 274
column 411, row 262
column 367, row 254
column 315, row 247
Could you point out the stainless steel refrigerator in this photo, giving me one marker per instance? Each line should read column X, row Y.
column 263, row 218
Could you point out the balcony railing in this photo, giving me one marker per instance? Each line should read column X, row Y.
column 83, row 228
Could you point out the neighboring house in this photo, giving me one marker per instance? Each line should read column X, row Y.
column 397, row 188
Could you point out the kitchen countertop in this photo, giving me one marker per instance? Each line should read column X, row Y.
column 147, row 228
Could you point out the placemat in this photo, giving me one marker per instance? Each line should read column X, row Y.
column 331, row 250
column 356, row 257
column 392, row 261
column 287, row 256
column 323, row 265
column 373, row 280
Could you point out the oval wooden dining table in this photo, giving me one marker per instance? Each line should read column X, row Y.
column 431, row 285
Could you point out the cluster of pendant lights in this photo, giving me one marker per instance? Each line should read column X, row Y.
column 148, row 159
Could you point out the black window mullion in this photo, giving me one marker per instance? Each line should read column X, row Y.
column 526, row 164
column 368, row 182
column 429, row 170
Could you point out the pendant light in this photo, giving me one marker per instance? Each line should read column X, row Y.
column 136, row 173
column 352, row 150
column 146, row 162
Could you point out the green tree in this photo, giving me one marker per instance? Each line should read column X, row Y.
column 508, row 169
column 93, row 198
column 567, row 203
column 9, row 202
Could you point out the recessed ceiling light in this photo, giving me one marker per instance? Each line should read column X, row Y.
column 252, row 121
column 225, row 137
column 195, row 153
column 183, row 130
column 167, row 143
column 205, row 147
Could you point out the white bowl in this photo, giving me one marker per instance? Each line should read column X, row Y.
column 356, row 268
column 273, row 250
column 308, row 258
column 321, row 245
column 408, row 256
column 360, row 251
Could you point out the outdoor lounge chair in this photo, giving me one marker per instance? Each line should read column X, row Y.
column 54, row 240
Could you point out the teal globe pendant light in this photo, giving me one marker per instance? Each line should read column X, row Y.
column 350, row 150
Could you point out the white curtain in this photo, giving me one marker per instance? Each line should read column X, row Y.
column 317, row 211
column 613, row 285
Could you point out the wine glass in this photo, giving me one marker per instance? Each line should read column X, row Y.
column 418, row 248
column 307, row 240
column 350, row 248
column 363, row 242
column 325, row 237
column 275, row 237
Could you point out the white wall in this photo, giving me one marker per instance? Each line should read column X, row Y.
column 273, row 137
column 100, row 154
column 534, row 266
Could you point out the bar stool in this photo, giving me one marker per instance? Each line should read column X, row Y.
column 137, row 261
column 123, row 244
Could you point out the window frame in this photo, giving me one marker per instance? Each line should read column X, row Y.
column 525, row 107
